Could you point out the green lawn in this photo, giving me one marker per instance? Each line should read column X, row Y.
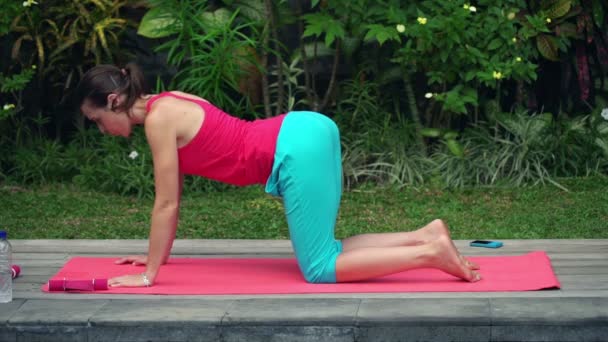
column 63, row 211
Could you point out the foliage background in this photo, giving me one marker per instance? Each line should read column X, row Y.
column 447, row 93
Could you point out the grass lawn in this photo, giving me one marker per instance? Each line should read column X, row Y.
column 66, row 212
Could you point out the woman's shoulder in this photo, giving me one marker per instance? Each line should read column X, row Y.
column 187, row 95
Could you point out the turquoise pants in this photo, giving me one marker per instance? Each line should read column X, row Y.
column 307, row 174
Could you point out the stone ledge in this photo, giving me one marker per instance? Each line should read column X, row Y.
column 305, row 319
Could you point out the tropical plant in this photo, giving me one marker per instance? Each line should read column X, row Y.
column 287, row 87
column 214, row 51
column 567, row 30
column 62, row 39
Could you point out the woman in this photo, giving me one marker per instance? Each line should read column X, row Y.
column 296, row 156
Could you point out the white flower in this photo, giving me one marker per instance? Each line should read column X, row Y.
column 29, row 3
column 473, row 9
column 133, row 154
column 8, row 106
column 605, row 113
column 400, row 28
column 428, row 95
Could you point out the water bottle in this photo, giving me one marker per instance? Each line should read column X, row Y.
column 6, row 273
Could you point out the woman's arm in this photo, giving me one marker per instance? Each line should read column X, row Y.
column 174, row 225
column 161, row 132
column 162, row 138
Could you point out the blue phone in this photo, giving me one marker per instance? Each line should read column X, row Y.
column 486, row 244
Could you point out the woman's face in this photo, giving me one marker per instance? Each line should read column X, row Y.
column 108, row 120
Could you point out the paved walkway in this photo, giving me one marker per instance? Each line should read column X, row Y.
column 577, row 312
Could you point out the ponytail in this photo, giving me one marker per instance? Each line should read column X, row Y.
column 134, row 85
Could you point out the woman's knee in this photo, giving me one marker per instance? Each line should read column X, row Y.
column 315, row 277
column 321, row 270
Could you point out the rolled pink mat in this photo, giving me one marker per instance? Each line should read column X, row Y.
column 78, row 284
column 16, row 270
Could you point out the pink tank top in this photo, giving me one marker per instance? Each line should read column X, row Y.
column 228, row 149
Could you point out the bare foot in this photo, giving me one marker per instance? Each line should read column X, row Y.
column 437, row 229
column 447, row 259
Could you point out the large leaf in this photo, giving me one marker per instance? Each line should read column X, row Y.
column 455, row 147
column 547, row 47
column 559, row 9
column 157, row 23
column 603, row 128
column 381, row 33
column 430, row 132
column 495, row 44
column 321, row 23
column 568, row 30
column 217, row 19
column 251, row 9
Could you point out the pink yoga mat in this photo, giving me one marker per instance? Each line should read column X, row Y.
column 182, row 276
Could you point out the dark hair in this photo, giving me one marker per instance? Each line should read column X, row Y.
column 102, row 80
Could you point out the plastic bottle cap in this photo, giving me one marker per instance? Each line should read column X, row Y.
column 2, row 234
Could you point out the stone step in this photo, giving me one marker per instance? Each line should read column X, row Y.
column 297, row 319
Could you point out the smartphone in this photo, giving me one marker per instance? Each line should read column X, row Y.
column 486, row 244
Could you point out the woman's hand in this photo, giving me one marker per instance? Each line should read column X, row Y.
column 131, row 280
column 135, row 260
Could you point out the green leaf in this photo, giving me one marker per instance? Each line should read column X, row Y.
column 547, row 118
column 455, row 147
column 15, row 82
column 329, row 38
column 603, row 128
column 475, row 52
column 547, row 47
column 430, row 132
column 217, row 19
column 603, row 144
column 495, row 44
column 569, row 30
column 314, row 3
column 451, row 135
column 598, row 12
column 559, row 9
column 444, row 55
column 336, row 31
column 381, row 33
column 157, row 23
column 251, row 9
column 469, row 76
column 312, row 30
column 321, row 23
